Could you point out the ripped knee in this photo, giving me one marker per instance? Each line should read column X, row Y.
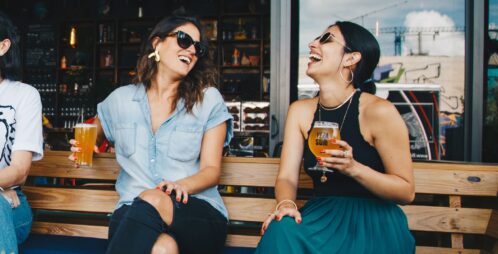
column 161, row 201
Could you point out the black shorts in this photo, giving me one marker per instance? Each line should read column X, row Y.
column 197, row 226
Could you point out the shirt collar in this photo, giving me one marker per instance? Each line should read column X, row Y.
column 140, row 93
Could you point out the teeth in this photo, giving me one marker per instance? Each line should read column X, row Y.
column 315, row 57
column 184, row 59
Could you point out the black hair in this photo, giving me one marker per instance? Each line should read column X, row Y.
column 10, row 62
column 203, row 74
column 359, row 39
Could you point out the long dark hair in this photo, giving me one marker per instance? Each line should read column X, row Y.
column 359, row 39
column 10, row 62
column 191, row 88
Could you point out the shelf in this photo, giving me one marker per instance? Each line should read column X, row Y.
column 106, row 44
column 129, row 44
column 253, row 41
column 250, row 67
column 241, row 15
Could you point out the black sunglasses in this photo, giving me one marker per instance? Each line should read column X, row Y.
column 326, row 37
column 185, row 41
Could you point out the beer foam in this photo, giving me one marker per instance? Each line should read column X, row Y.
column 85, row 125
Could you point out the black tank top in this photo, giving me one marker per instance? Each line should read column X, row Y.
column 338, row 184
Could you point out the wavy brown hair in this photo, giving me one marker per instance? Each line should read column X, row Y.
column 202, row 76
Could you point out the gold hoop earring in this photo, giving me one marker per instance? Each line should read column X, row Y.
column 352, row 76
column 155, row 54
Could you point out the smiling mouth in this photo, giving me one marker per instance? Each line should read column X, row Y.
column 185, row 59
column 315, row 58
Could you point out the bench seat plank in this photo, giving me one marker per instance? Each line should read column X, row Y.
column 67, row 229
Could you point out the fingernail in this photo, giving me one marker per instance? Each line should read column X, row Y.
column 158, row 188
column 299, row 221
column 184, row 201
column 321, row 163
column 178, row 199
column 322, row 151
column 261, row 232
column 333, row 140
column 318, row 158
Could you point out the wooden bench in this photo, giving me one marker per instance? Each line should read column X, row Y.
column 446, row 183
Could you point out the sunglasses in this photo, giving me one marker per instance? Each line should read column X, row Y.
column 327, row 37
column 185, row 41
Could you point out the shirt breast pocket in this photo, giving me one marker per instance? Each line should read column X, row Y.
column 125, row 139
column 185, row 143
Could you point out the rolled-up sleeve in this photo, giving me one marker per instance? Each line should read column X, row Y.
column 105, row 116
column 218, row 113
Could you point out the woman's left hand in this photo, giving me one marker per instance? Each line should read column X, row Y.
column 169, row 186
column 12, row 196
column 340, row 159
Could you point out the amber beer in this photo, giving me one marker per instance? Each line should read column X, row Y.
column 86, row 135
column 320, row 136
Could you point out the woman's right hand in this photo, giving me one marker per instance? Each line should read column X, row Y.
column 75, row 149
column 277, row 215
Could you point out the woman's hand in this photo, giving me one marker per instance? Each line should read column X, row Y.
column 75, row 149
column 169, row 186
column 341, row 159
column 12, row 197
column 284, row 210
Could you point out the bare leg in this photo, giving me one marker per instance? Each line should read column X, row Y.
column 161, row 201
column 165, row 244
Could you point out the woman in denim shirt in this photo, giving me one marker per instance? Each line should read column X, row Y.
column 169, row 129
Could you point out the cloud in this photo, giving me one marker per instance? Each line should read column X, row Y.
column 316, row 15
column 433, row 43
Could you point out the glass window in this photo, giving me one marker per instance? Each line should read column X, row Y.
column 490, row 147
column 422, row 63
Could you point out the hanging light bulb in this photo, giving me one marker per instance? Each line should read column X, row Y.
column 72, row 37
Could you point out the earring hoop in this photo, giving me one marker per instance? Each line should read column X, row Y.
column 352, row 76
column 155, row 54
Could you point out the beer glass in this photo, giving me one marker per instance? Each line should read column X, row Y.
column 319, row 140
column 86, row 135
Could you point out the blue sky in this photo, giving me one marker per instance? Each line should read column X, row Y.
column 316, row 15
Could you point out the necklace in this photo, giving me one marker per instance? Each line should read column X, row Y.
column 348, row 100
column 323, row 178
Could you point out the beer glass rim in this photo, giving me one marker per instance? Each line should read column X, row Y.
column 85, row 125
column 326, row 124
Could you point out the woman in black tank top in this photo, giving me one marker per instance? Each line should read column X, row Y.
column 359, row 185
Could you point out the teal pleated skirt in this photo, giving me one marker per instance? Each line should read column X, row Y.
column 341, row 225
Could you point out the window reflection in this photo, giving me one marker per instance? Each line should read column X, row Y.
column 490, row 147
column 422, row 65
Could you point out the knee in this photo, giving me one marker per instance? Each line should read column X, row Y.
column 156, row 198
column 161, row 202
column 165, row 244
column 285, row 226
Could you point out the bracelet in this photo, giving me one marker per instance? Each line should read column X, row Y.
column 285, row 201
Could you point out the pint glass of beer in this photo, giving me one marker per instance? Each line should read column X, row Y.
column 86, row 135
column 319, row 140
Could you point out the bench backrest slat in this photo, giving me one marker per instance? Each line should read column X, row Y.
column 430, row 178
column 65, row 199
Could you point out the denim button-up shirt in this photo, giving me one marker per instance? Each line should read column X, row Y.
column 172, row 153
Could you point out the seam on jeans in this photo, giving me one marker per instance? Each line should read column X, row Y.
column 173, row 212
column 23, row 224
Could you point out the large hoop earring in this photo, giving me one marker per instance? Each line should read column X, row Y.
column 352, row 76
column 155, row 54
